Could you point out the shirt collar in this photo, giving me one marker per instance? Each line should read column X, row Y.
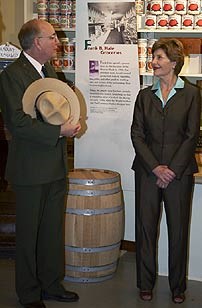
column 34, row 62
column 179, row 84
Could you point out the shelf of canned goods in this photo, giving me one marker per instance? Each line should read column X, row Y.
column 62, row 15
column 170, row 18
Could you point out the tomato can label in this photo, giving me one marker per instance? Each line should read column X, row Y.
column 181, row 7
column 57, row 63
column 142, row 47
column 68, row 47
column 193, row 7
column 142, row 61
column 150, row 43
column 162, row 21
column 59, row 49
column 198, row 21
column 149, row 64
column 156, row 7
column 68, row 62
column 168, row 7
column 174, row 21
column 187, row 21
column 150, row 21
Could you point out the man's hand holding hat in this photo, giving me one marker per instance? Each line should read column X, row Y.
column 69, row 129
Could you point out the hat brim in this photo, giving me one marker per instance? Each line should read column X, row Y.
column 50, row 84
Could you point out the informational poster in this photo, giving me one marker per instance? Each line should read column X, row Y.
column 107, row 78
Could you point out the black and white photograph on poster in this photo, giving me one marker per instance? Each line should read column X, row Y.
column 93, row 68
column 112, row 23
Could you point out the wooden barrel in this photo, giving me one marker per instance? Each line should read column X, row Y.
column 93, row 225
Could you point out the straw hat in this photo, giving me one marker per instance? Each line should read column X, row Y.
column 54, row 99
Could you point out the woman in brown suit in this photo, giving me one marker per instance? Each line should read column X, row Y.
column 164, row 134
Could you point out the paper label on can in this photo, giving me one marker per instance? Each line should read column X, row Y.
column 65, row 21
column 187, row 21
column 193, row 7
column 57, row 63
column 68, row 48
column 181, row 7
column 54, row 8
column 150, row 21
column 149, row 64
column 66, row 7
column 42, row 6
column 162, row 21
column 198, row 21
column 68, row 62
column 43, row 17
column 139, row 7
column 142, row 64
column 150, row 43
column 142, row 47
column 54, row 20
column 156, row 7
column 168, row 7
column 174, row 21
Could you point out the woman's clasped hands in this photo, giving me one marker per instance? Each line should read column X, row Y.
column 164, row 176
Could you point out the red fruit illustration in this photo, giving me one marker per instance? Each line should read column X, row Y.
column 167, row 7
column 149, row 22
column 199, row 22
column 162, row 22
column 156, row 7
column 173, row 22
column 179, row 7
column 187, row 22
column 193, row 7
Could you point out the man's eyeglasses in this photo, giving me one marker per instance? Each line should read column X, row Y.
column 50, row 37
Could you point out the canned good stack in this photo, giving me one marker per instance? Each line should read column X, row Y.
column 173, row 14
column 60, row 13
column 65, row 59
column 145, row 54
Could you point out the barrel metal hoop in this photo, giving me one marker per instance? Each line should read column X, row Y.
column 88, row 280
column 92, row 249
column 94, row 181
column 113, row 179
column 91, row 269
column 92, row 193
column 91, row 212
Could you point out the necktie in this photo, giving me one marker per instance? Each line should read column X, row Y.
column 44, row 71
